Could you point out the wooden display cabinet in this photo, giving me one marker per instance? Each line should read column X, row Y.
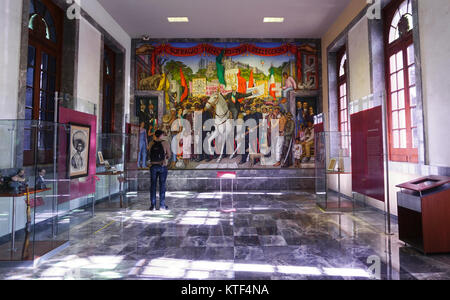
column 424, row 214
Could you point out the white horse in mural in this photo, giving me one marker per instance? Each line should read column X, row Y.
column 222, row 122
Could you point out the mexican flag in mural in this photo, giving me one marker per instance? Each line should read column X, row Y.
column 272, row 84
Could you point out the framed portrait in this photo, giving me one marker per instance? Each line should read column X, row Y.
column 79, row 145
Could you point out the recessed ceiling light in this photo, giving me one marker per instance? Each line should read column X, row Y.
column 273, row 20
column 178, row 19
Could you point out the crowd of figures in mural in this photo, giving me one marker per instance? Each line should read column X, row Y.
column 228, row 105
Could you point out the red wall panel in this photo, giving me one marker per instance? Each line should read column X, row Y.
column 367, row 153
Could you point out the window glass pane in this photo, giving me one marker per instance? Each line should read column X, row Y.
column 393, row 82
column 392, row 35
column 51, row 83
column 413, row 96
column 40, row 7
column 395, row 120
column 400, row 80
column 30, row 77
column 393, row 64
column 29, row 97
column 28, row 114
column 402, row 118
column 32, row 10
column 27, row 139
column 42, row 115
column 44, row 62
column 411, row 58
column 399, row 60
column 412, row 75
column 51, row 102
column 31, row 55
column 403, row 138
column 401, row 99
column 394, row 101
column 403, row 7
column 50, row 116
column 395, row 137
column 43, row 98
column 44, row 80
column 52, row 65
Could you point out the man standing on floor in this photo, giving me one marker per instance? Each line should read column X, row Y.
column 159, row 154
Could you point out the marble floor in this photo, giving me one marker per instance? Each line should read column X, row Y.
column 270, row 236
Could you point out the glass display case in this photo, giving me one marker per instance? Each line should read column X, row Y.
column 34, row 191
column 334, row 171
column 115, row 177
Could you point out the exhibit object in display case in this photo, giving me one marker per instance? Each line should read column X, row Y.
column 116, row 175
column 423, row 214
column 34, row 210
column 333, row 171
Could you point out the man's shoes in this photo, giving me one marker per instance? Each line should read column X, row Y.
column 152, row 208
column 164, row 208
column 277, row 164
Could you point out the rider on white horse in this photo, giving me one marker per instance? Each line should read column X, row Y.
column 233, row 101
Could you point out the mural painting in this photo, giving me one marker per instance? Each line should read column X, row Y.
column 232, row 85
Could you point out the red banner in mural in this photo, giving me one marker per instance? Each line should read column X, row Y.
column 209, row 49
column 215, row 51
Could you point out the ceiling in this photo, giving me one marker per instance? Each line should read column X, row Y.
column 225, row 18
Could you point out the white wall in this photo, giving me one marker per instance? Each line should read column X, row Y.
column 359, row 60
column 101, row 16
column 89, row 63
column 434, row 29
column 10, row 33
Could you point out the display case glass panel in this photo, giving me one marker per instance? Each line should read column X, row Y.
column 34, row 206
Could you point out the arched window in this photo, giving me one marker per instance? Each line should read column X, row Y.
column 43, row 71
column 343, row 117
column 401, row 81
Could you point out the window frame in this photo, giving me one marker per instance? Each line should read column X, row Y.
column 342, row 80
column 410, row 153
column 43, row 45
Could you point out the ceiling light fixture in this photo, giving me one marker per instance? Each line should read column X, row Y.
column 178, row 19
column 273, row 20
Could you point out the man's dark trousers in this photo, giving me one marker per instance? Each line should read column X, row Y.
column 158, row 172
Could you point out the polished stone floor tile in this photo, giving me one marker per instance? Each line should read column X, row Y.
column 270, row 236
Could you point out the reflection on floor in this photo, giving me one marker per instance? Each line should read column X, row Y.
column 270, row 236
